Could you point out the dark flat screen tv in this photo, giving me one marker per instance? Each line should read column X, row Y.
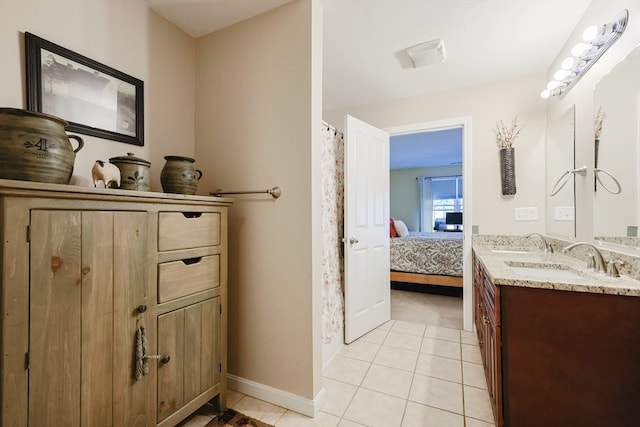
column 453, row 218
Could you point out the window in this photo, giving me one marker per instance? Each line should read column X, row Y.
column 439, row 195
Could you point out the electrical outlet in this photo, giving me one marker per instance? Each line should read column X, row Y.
column 563, row 213
column 526, row 214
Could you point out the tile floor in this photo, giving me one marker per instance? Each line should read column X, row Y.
column 402, row 374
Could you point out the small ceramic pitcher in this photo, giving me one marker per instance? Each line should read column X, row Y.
column 179, row 176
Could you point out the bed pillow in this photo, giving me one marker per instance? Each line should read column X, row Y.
column 401, row 228
column 392, row 228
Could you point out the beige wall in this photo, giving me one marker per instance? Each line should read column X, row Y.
column 258, row 125
column 404, row 197
column 126, row 36
column 581, row 95
column 492, row 212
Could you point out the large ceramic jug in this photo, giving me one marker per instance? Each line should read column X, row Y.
column 179, row 176
column 35, row 147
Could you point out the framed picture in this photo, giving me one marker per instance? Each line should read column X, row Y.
column 95, row 99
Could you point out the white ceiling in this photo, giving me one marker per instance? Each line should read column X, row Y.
column 485, row 40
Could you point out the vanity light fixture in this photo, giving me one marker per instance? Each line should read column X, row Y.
column 431, row 52
column 596, row 40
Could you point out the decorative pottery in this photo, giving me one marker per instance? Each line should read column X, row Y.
column 179, row 176
column 35, row 147
column 134, row 172
column 508, row 171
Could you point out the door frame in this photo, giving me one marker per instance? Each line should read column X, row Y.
column 467, row 273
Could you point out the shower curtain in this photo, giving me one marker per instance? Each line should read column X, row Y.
column 332, row 231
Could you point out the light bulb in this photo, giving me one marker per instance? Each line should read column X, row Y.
column 553, row 84
column 580, row 49
column 561, row 74
column 591, row 33
column 545, row 94
column 568, row 63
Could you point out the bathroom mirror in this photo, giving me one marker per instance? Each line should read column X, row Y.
column 616, row 197
column 561, row 159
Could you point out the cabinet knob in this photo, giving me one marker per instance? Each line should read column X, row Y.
column 142, row 308
column 165, row 359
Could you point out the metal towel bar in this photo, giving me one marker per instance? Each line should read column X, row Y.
column 275, row 192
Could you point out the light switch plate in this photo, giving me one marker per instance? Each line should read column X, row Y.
column 526, row 214
column 563, row 213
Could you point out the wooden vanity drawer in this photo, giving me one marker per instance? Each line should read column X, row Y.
column 185, row 277
column 186, row 230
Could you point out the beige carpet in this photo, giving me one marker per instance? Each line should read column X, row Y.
column 431, row 309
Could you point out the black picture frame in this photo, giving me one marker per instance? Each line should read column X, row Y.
column 94, row 98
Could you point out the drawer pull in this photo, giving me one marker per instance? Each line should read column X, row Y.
column 190, row 215
column 190, row 261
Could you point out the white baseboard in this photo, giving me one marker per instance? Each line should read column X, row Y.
column 276, row 396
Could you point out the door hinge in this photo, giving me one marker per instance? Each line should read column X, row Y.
column 28, row 234
column 26, row 361
column 220, row 308
column 220, row 367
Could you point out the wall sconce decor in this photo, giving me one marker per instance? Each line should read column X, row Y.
column 597, row 39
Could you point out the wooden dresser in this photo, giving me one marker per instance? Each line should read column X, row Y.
column 99, row 285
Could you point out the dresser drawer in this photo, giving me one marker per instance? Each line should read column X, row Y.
column 178, row 230
column 185, row 277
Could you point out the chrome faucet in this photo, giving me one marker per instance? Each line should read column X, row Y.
column 546, row 246
column 597, row 257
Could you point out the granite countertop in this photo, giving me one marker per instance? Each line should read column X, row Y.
column 497, row 266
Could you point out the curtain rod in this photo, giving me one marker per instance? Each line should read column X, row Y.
column 275, row 192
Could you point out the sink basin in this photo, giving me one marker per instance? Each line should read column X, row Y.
column 508, row 250
column 547, row 272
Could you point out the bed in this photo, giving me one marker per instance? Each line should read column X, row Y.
column 427, row 258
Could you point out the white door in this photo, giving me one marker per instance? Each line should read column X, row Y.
column 366, row 228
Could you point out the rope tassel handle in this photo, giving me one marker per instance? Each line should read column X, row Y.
column 142, row 366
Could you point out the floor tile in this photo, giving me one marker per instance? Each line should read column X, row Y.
column 438, row 393
column 397, row 358
column 441, row 333
column 471, row 422
column 405, row 341
column 473, row 375
column 477, row 404
column 376, row 336
column 441, row 348
column 259, row 409
column 195, row 420
column 471, row 353
column 386, row 325
column 469, row 337
column 293, row 419
column 233, row 397
column 360, row 350
column 394, row 382
column 439, row 367
column 417, row 415
column 347, row 370
column 408, row 328
column 338, row 396
column 347, row 423
column 374, row 409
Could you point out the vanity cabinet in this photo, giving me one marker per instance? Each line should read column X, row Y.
column 486, row 316
column 84, row 271
column 561, row 357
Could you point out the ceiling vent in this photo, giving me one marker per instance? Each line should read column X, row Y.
column 431, row 52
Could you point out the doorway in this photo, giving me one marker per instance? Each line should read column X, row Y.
column 464, row 124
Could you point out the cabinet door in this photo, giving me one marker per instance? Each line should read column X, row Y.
column 88, row 272
column 191, row 338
